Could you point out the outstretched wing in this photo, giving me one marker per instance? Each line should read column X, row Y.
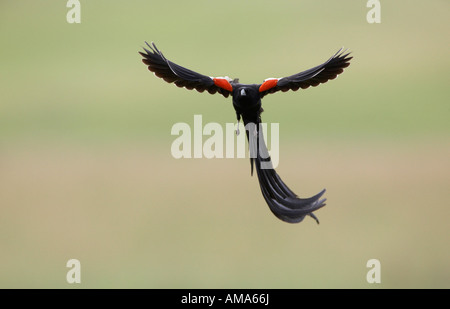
column 312, row 77
column 182, row 77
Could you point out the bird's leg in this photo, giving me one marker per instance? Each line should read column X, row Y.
column 237, row 124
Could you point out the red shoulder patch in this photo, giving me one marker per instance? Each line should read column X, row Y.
column 223, row 83
column 268, row 83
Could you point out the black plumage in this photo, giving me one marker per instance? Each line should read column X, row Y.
column 282, row 201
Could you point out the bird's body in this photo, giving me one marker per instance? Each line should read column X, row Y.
column 246, row 99
column 246, row 102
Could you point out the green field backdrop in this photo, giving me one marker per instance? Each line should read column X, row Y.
column 86, row 170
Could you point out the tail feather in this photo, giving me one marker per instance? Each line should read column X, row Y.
column 282, row 201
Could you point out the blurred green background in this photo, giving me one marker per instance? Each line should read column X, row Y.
column 86, row 170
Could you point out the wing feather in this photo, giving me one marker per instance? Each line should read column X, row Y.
column 315, row 76
column 180, row 76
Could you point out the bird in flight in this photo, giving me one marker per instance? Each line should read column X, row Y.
column 282, row 201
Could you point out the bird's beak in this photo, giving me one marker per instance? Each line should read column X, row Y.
column 243, row 93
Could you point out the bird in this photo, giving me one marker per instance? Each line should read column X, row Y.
column 246, row 99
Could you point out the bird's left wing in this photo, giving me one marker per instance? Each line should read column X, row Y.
column 182, row 77
column 312, row 77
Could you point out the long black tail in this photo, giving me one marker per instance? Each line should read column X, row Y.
column 284, row 203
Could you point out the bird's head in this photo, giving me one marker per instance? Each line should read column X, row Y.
column 246, row 98
column 246, row 93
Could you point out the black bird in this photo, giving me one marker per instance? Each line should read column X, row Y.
column 247, row 103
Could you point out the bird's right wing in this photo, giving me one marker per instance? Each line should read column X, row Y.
column 312, row 77
column 182, row 77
